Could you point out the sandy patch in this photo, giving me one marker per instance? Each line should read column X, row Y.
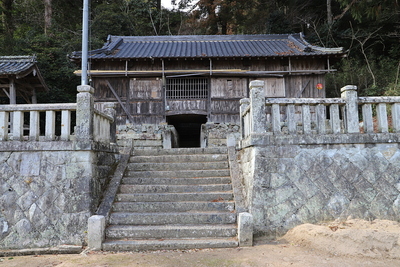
column 374, row 239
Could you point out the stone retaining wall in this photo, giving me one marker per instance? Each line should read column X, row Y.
column 290, row 184
column 146, row 136
column 215, row 134
column 47, row 196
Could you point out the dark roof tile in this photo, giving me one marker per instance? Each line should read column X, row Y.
column 16, row 64
column 209, row 46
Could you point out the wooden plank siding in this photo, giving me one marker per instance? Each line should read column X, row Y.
column 225, row 110
column 146, row 100
column 226, row 93
column 144, row 95
column 102, row 92
column 299, row 86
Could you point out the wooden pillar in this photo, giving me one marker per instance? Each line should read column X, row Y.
column 13, row 92
column 34, row 96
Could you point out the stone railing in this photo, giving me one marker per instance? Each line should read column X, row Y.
column 56, row 122
column 22, row 122
column 301, row 116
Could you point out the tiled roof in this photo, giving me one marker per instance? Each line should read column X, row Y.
column 207, row 46
column 16, row 64
column 23, row 67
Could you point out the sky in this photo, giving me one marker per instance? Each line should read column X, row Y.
column 166, row 4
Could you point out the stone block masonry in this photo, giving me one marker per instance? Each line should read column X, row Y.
column 49, row 188
column 302, row 166
column 288, row 185
column 215, row 134
column 46, row 195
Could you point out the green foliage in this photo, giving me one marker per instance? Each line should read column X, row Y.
column 355, row 72
column 369, row 9
column 23, row 33
column 56, row 69
column 368, row 30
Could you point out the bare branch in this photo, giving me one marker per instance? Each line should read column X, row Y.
column 345, row 10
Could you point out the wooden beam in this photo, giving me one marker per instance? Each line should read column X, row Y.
column 26, row 97
column 231, row 72
column 120, row 101
column 302, row 90
column 7, row 94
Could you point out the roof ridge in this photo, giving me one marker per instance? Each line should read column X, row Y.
column 207, row 46
column 23, row 58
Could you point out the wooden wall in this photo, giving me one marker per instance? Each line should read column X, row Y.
column 226, row 93
column 103, row 93
column 146, row 100
column 144, row 96
column 178, row 106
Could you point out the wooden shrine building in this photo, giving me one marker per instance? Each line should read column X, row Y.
column 20, row 78
column 201, row 78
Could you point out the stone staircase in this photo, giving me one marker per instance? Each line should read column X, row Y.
column 174, row 199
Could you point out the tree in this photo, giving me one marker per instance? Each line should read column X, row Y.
column 48, row 15
column 8, row 25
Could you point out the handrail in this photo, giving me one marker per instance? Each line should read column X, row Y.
column 301, row 101
column 294, row 116
column 24, row 122
column 38, row 107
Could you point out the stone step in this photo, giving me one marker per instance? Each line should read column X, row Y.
column 174, row 199
column 157, row 218
column 131, row 189
column 179, row 158
column 167, row 197
column 179, row 151
column 177, row 174
column 176, row 181
column 141, row 245
column 170, row 231
column 172, row 206
column 177, row 166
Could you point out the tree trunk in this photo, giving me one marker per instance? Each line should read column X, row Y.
column 8, row 23
column 329, row 11
column 48, row 14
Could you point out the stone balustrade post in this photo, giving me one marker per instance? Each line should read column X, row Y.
column 349, row 94
column 109, row 109
column 84, row 116
column 244, row 104
column 257, row 107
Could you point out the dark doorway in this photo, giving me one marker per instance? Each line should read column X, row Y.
column 188, row 128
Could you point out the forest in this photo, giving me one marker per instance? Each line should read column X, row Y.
column 369, row 30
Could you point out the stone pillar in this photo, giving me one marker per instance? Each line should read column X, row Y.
column 396, row 117
column 84, row 116
column 109, row 109
column 245, row 229
column 231, row 139
column 349, row 93
column 244, row 103
column 167, row 139
column 96, row 228
column 257, row 107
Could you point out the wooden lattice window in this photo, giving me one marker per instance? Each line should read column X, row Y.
column 187, row 88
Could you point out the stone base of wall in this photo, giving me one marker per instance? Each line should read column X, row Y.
column 288, row 185
column 215, row 134
column 145, row 136
column 47, row 196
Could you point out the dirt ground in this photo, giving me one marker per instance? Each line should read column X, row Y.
column 349, row 243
